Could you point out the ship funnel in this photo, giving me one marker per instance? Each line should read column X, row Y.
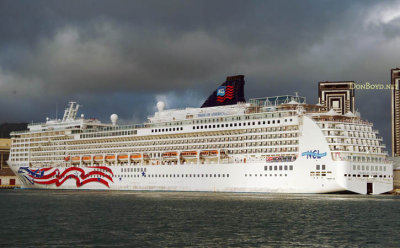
column 230, row 92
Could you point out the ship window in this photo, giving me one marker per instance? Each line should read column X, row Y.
column 218, row 125
column 240, row 124
column 323, row 167
column 209, row 126
column 269, row 122
column 194, row 127
column 213, row 126
column 318, row 167
column 290, row 167
column 275, row 167
column 279, row 121
column 285, row 167
column 280, row 167
column 270, row 167
column 235, row 124
column 231, row 124
column 273, row 122
column 181, row 128
column 265, row 167
column 254, row 122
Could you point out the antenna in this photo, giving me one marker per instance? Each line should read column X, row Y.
column 56, row 111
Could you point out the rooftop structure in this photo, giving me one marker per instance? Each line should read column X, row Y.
column 338, row 96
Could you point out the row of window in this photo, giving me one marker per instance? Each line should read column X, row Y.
column 280, row 167
column 266, row 175
column 236, row 124
column 133, row 169
column 358, row 175
column 347, row 127
column 171, row 175
column 171, row 129
column 367, row 167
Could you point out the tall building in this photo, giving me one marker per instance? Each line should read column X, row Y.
column 7, row 177
column 338, row 96
column 395, row 105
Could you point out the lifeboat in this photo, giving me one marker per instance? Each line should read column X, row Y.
column 76, row 159
column 146, row 156
column 136, row 156
column 86, row 159
column 123, row 157
column 189, row 154
column 66, row 159
column 110, row 158
column 98, row 158
column 169, row 155
column 209, row 153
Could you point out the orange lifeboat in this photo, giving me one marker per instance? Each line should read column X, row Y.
column 110, row 158
column 189, row 154
column 209, row 153
column 136, row 156
column 98, row 158
column 66, row 159
column 86, row 159
column 169, row 154
column 76, row 159
column 123, row 157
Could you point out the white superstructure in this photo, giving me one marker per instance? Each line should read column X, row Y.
column 273, row 144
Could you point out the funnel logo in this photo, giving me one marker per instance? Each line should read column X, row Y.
column 313, row 154
column 221, row 91
column 224, row 92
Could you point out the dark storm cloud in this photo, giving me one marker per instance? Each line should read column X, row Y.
column 121, row 56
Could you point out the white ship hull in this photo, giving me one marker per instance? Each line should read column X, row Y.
column 238, row 177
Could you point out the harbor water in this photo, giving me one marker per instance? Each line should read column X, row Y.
column 40, row 218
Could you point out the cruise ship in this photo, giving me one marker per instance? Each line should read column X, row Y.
column 275, row 144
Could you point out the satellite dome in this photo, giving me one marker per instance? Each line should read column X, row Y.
column 114, row 118
column 160, row 106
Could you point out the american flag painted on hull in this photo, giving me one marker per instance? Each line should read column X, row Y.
column 49, row 176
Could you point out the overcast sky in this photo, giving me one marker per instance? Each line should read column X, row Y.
column 122, row 56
